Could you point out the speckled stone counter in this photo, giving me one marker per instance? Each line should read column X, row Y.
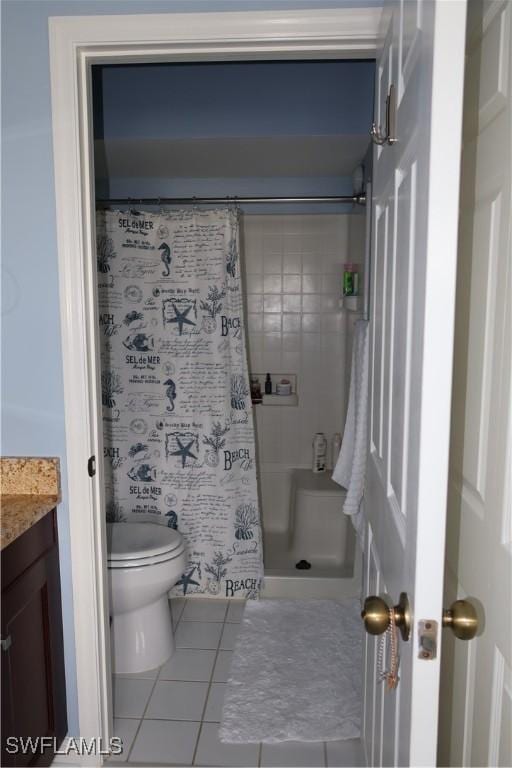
column 30, row 488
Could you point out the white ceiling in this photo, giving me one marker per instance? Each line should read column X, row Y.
column 229, row 157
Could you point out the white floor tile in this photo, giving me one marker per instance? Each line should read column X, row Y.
column 189, row 664
column 222, row 667
column 294, row 754
column 161, row 741
column 211, row 752
column 124, row 729
column 198, row 634
column 204, row 610
column 130, row 696
column 174, row 700
column 229, row 635
column 235, row 611
column 345, row 753
column 213, row 712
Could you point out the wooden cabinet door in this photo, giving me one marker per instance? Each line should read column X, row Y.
column 33, row 689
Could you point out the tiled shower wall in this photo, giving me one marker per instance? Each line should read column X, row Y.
column 293, row 277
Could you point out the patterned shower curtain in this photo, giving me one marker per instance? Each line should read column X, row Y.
column 179, row 444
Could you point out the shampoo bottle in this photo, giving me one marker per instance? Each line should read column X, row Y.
column 319, row 452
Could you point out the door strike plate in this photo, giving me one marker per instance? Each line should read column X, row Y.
column 427, row 639
column 5, row 643
column 91, row 466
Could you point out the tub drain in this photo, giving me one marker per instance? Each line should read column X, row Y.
column 303, row 565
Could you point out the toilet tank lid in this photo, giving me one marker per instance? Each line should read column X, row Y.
column 316, row 482
column 127, row 541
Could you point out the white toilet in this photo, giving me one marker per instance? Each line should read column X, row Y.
column 144, row 561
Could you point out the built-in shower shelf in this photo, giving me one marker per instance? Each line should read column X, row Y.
column 274, row 398
column 280, row 400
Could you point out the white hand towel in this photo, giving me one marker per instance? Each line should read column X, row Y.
column 351, row 465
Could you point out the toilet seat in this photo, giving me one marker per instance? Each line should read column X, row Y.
column 135, row 545
column 146, row 561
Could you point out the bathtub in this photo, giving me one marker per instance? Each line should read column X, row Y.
column 303, row 521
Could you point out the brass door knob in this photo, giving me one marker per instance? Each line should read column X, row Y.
column 376, row 615
column 462, row 619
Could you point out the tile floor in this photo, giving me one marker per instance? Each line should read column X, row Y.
column 170, row 716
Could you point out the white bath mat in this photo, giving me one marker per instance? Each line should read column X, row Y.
column 296, row 673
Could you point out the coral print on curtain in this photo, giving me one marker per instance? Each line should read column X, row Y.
column 178, row 428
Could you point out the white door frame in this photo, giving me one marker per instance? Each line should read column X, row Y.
column 76, row 43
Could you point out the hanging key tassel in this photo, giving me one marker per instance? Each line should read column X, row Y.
column 388, row 658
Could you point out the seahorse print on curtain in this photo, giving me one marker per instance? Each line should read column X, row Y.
column 179, row 445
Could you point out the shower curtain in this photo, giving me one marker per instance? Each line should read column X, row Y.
column 179, row 445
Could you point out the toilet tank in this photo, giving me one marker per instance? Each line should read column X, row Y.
column 321, row 533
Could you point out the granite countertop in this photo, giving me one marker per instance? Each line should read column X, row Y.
column 30, row 488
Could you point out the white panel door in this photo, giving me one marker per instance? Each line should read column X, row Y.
column 414, row 251
column 476, row 714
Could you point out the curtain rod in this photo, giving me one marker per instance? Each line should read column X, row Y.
column 355, row 199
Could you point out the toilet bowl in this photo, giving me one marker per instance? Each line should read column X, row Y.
column 144, row 561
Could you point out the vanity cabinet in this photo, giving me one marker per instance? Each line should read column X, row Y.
column 33, row 683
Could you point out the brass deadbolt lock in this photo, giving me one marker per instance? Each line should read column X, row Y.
column 376, row 615
column 462, row 619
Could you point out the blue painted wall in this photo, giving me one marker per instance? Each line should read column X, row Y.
column 32, row 393
column 235, row 99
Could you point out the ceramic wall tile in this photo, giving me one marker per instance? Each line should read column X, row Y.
column 296, row 326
